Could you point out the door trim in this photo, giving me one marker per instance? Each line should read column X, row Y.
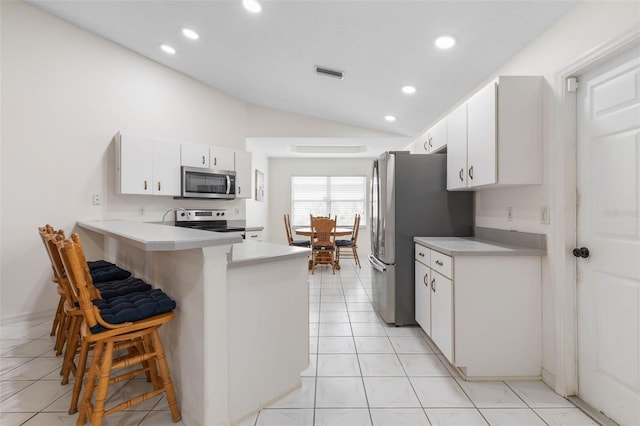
column 564, row 200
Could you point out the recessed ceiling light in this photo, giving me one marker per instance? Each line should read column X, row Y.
column 409, row 90
column 252, row 6
column 168, row 49
column 445, row 42
column 390, row 118
column 188, row 33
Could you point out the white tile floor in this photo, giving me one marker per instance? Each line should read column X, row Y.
column 363, row 372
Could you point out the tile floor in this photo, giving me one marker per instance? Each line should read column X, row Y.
column 363, row 372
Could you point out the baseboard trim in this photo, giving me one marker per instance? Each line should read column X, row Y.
column 28, row 316
column 596, row 416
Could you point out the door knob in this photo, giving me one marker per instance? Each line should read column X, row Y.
column 581, row 252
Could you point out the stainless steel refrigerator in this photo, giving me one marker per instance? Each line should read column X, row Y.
column 408, row 199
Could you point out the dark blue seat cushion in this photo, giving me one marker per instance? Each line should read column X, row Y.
column 109, row 273
column 97, row 264
column 343, row 243
column 301, row 243
column 133, row 307
column 111, row 289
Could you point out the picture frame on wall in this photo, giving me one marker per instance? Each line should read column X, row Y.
column 259, row 185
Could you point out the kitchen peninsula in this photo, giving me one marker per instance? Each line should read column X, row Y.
column 240, row 337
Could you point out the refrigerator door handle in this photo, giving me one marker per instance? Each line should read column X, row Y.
column 377, row 265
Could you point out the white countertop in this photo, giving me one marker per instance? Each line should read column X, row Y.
column 256, row 252
column 457, row 246
column 159, row 237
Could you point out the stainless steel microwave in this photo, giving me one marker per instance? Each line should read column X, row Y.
column 199, row 182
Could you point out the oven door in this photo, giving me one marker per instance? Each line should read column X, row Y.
column 206, row 183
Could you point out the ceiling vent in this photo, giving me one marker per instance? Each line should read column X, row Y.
column 329, row 72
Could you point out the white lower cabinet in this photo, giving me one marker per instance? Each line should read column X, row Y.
column 485, row 316
column 423, row 296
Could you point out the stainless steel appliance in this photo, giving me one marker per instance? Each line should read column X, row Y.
column 209, row 220
column 409, row 199
column 199, row 182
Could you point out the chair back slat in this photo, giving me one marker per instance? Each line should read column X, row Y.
column 356, row 229
column 287, row 227
column 77, row 272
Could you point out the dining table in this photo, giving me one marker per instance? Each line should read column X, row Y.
column 307, row 232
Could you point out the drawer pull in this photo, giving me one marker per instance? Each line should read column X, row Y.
column 421, row 254
column 439, row 263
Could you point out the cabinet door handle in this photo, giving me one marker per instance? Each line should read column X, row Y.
column 439, row 263
column 433, row 285
column 430, row 140
column 203, row 159
column 421, row 254
column 145, row 185
column 239, row 190
column 460, row 174
column 471, row 172
column 215, row 161
column 426, row 148
column 158, row 186
column 424, row 280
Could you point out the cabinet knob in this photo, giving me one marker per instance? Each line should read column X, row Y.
column 460, row 174
column 471, row 172
column 145, row 185
column 439, row 263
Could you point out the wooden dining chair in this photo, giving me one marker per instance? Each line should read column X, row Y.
column 323, row 243
column 128, row 322
column 290, row 240
column 350, row 246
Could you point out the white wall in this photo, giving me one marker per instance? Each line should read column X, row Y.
column 282, row 169
column 587, row 27
column 65, row 93
column 258, row 211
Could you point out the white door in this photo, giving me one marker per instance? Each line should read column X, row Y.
column 457, row 148
column 482, row 137
column 423, row 296
column 166, row 168
column 609, row 227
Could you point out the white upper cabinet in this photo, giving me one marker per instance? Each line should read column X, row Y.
column 147, row 166
column 221, row 158
column 243, row 174
column 457, row 148
column 433, row 140
column 194, row 155
column 502, row 137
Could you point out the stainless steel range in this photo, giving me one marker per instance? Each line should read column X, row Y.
column 209, row 220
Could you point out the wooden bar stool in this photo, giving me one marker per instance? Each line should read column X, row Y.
column 130, row 322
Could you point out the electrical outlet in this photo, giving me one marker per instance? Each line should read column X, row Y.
column 97, row 200
column 510, row 214
column 545, row 218
column 141, row 211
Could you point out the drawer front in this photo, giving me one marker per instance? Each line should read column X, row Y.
column 441, row 263
column 422, row 254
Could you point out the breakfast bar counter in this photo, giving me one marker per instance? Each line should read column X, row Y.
column 240, row 337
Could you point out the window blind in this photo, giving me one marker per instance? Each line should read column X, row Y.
column 341, row 196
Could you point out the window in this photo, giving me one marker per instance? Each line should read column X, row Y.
column 342, row 196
